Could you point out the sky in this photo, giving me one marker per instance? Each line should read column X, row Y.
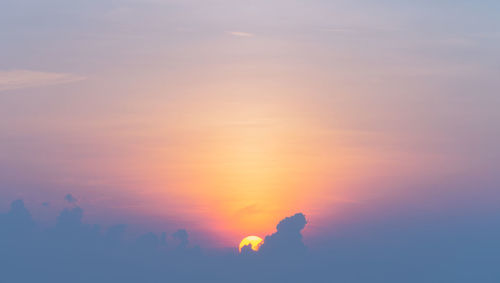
column 372, row 118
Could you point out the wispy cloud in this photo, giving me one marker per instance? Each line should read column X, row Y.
column 18, row 79
column 240, row 33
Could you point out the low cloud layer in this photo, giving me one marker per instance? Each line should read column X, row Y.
column 75, row 251
column 88, row 253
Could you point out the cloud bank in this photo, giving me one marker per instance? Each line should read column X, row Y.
column 74, row 251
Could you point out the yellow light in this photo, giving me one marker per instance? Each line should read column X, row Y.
column 254, row 241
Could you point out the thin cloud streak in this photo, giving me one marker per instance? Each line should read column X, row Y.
column 19, row 79
column 240, row 34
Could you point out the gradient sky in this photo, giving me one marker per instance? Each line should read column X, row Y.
column 223, row 117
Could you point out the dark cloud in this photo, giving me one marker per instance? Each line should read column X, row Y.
column 247, row 250
column 287, row 239
column 69, row 198
column 163, row 239
column 116, row 233
column 392, row 252
column 148, row 242
column 182, row 236
column 70, row 218
column 18, row 219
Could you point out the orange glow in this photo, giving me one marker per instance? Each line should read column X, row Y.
column 254, row 241
column 234, row 166
column 242, row 165
column 250, row 165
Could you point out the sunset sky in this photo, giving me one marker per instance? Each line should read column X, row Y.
column 224, row 117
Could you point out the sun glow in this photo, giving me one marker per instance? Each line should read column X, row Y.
column 254, row 241
column 241, row 164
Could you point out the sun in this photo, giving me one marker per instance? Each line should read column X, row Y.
column 254, row 241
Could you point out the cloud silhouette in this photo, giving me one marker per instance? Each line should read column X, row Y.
column 116, row 233
column 69, row 198
column 148, row 242
column 247, row 250
column 182, row 236
column 18, row 219
column 69, row 223
column 287, row 240
column 75, row 251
